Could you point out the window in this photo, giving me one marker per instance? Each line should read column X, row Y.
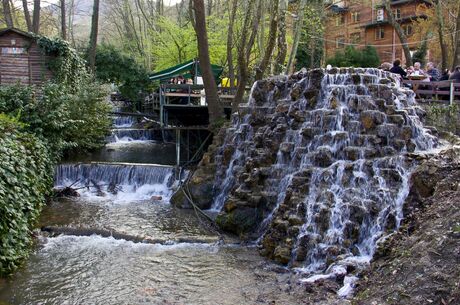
column 13, row 51
column 379, row 33
column 397, row 14
column 407, row 29
column 339, row 20
column 355, row 16
column 340, row 42
column 380, row 15
column 355, row 38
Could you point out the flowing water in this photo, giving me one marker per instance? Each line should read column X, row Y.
column 181, row 261
column 331, row 152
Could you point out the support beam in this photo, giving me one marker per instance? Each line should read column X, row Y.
column 178, row 147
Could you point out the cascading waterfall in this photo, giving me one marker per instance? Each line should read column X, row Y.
column 323, row 165
column 130, row 135
column 124, row 121
column 116, row 181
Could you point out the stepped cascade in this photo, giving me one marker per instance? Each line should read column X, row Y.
column 318, row 159
column 130, row 134
column 141, row 181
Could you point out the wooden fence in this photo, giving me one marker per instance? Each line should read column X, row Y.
column 441, row 92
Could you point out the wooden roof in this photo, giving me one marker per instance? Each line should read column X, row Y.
column 17, row 31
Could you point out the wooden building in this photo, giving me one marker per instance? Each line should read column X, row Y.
column 21, row 60
column 366, row 23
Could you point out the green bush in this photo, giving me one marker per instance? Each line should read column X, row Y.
column 25, row 179
column 61, row 118
column 352, row 57
column 37, row 126
column 114, row 67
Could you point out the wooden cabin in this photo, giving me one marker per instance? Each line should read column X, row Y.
column 21, row 59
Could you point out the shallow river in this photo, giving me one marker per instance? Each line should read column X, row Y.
column 68, row 269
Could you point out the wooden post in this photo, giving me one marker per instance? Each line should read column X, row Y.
column 452, row 92
column 161, row 106
column 178, row 147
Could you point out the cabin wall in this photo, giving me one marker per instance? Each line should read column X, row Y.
column 21, row 61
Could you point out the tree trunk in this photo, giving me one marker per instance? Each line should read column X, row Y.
column 36, row 17
column 7, row 13
column 63, row 21
column 245, row 51
column 399, row 32
column 93, row 36
column 282, row 44
column 456, row 61
column 442, row 45
column 25, row 7
column 215, row 109
column 231, row 68
column 297, row 34
column 260, row 70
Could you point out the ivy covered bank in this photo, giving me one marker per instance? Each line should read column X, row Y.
column 38, row 125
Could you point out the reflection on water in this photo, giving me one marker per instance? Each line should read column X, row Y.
column 96, row 270
column 132, row 152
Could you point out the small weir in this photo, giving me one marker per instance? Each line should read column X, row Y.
column 120, row 241
column 130, row 135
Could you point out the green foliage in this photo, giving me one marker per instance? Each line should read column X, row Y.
column 62, row 119
column 420, row 54
column 25, row 179
column 114, row 67
column 310, row 51
column 444, row 117
column 37, row 126
column 68, row 67
column 351, row 57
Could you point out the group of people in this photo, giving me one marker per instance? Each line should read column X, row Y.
column 431, row 74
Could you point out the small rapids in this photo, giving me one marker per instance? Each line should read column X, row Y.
column 123, row 182
column 126, row 135
column 319, row 158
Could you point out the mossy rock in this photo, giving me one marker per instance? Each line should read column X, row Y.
column 239, row 221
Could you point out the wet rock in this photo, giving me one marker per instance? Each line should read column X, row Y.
column 282, row 255
column 286, row 147
column 238, row 221
column 372, row 118
column 396, row 119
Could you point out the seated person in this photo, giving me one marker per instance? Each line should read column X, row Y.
column 432, row 72
column 455, row 76
column 396, row 69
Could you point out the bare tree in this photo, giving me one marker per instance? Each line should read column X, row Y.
column 297, row 34
column 36, row 17
column 262, row 67
column 7, row 13
column 93, row 36
column 215, row 109
column 249, row 29
column 456, row 61
column 63, row 20
column 25, row 8
column 399, row 31
column 231, row 68
column 282, row 44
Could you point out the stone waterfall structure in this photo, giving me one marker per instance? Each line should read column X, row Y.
column 313, row 168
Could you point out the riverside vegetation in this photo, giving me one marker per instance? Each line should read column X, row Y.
column 37, row 127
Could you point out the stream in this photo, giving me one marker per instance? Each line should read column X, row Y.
column 185, row 263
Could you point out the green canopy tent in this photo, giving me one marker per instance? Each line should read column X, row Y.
column 187, row 69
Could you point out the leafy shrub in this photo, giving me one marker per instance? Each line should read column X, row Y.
column 25, row 179
column 351, row 57
column 114, row 67
column 63, row 119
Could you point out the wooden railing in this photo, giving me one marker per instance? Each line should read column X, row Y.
column 442, row 92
